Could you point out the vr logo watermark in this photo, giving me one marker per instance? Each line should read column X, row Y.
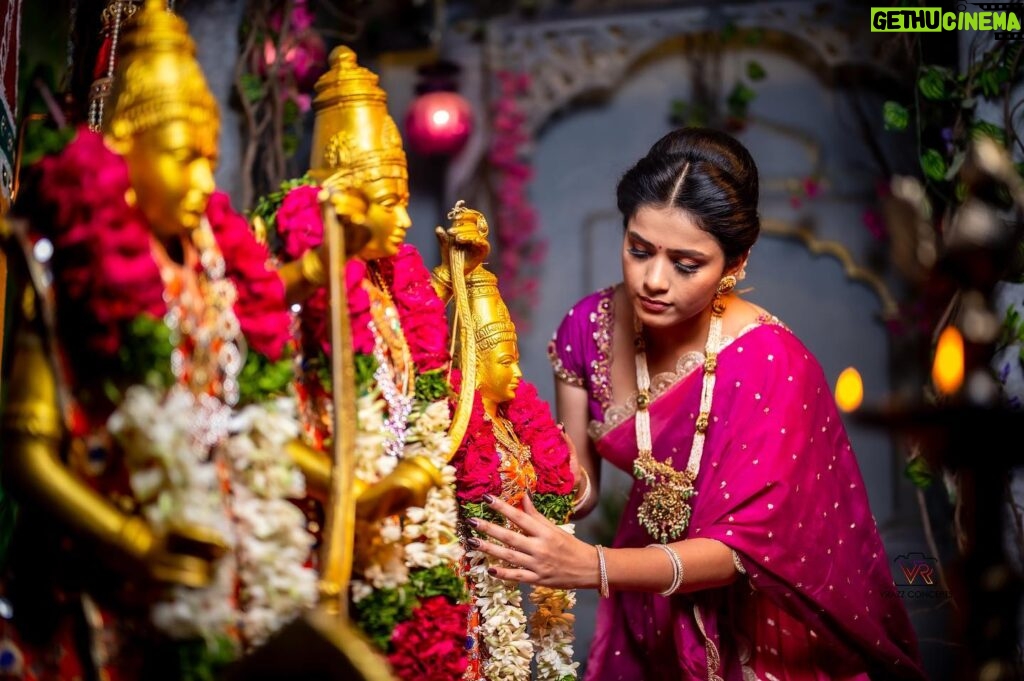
column 916, row 578
column 1003, row 18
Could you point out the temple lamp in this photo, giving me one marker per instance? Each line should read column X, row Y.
column 440, row 120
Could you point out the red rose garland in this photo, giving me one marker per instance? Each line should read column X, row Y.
column 104, row 271
column 431, row 645
column 477, row 462
column 531, row 417
column 300, row 226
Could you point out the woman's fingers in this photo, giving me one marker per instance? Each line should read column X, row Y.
column 505, row 553
column 502, row 534
column 530, row 525
column 514, row 575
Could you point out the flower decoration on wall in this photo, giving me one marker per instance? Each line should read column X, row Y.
column 521, row 249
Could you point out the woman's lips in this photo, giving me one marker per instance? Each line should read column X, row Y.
column 654, row 306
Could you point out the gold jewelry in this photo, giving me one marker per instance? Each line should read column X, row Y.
column 518, row 475
column 727, row 284
column 602, row 570
column 677, row 568
column 312, row 268
column 665, row 510
column 581, row 499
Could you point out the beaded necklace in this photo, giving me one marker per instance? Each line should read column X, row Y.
column 665, row 510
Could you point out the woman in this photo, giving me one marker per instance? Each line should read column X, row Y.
column 747, row 548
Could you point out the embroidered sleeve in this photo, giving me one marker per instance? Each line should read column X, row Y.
column 566, row 352
column 739, row 564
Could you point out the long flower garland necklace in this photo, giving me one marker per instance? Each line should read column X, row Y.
column 172, row 423
column 394, row 372
column 503, row 639
column 665, row 511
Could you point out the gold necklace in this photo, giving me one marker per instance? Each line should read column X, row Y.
column 665, row 511
column 518, row 475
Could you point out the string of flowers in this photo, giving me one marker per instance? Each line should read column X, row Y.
column 502, row 646
column 520, row 247
column 407, row 593
column 189, row 456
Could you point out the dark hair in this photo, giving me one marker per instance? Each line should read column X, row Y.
column 706, row 173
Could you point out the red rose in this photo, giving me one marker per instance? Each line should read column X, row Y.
column 431, row 645
column 424, row 321
column 531, row 417
column 260, row 308
column 103, row 268
column 299, row 221
column 477, row 462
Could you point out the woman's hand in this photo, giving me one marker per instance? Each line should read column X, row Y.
column 541, row 553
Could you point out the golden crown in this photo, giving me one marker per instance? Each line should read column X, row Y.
column 157, row 78
column 492, row 321
column 355, row 141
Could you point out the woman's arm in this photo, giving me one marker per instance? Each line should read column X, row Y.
column 542, row 553
column 571, row 407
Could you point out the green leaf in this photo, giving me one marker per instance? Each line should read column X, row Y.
column 895, row 115
column 555, row 507
column 932, row 83
column 986, row 129
column 960, row 191
column 933, row 165
column 755, row 71
column 432, row 386
column 739, row 100
column 919, row 472
column 251, row 86
column 261, row 379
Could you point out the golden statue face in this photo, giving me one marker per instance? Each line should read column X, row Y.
column 171, row 169
column 387, row 217
column 498, row 372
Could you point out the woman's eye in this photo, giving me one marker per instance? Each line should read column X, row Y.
column 686, row 268
column 638, row 253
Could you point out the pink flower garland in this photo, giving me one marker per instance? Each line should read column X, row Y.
column 521, row 250
column 104, row 270
column 431, row 645
column 477, row 463
column 421, row 312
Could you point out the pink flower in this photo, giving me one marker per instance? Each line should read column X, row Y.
column 299, row 222
column 261, row 310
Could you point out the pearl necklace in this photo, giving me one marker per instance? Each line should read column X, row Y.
column 665, row 510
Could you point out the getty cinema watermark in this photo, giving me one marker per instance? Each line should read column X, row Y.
column 1003, row 19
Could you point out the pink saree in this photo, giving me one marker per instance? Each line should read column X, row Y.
column 778, row 484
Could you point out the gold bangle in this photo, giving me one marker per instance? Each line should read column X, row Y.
column 602, row 571
column 312, row 268
column 581, row 499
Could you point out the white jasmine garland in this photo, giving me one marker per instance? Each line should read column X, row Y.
column 504, row 644
column 275, row 584
column 554, row 649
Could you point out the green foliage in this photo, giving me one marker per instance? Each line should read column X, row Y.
column 932, row 83
column 261, row 379
column 555, row 507
column 483, row 511
column 919, row 472
column 378, row 613
column 738, row 101
column 202, row 660
column 755, row 71
column 896, row 116
column 251, row 86
column 144, row 357
column 432, row 386
column 267, row 206
column 933, row 164
column 366, row 365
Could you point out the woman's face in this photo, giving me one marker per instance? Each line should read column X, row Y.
column 670, row 266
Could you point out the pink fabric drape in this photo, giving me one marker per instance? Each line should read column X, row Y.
column 779, row 484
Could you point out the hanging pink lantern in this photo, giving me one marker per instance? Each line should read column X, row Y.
column 438, row 123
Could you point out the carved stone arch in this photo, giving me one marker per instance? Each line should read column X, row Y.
column 568, row 58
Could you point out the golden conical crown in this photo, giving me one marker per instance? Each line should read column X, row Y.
column 158, row 78
column 355, row 141
column 491, row 319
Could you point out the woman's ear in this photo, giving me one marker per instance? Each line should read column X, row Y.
column 739, row 268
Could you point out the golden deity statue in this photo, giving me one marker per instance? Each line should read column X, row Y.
column 513, row 450
column 146, row 421
column 392, row 355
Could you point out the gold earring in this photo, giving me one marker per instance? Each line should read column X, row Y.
column 727, row 284
column 130, row 198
